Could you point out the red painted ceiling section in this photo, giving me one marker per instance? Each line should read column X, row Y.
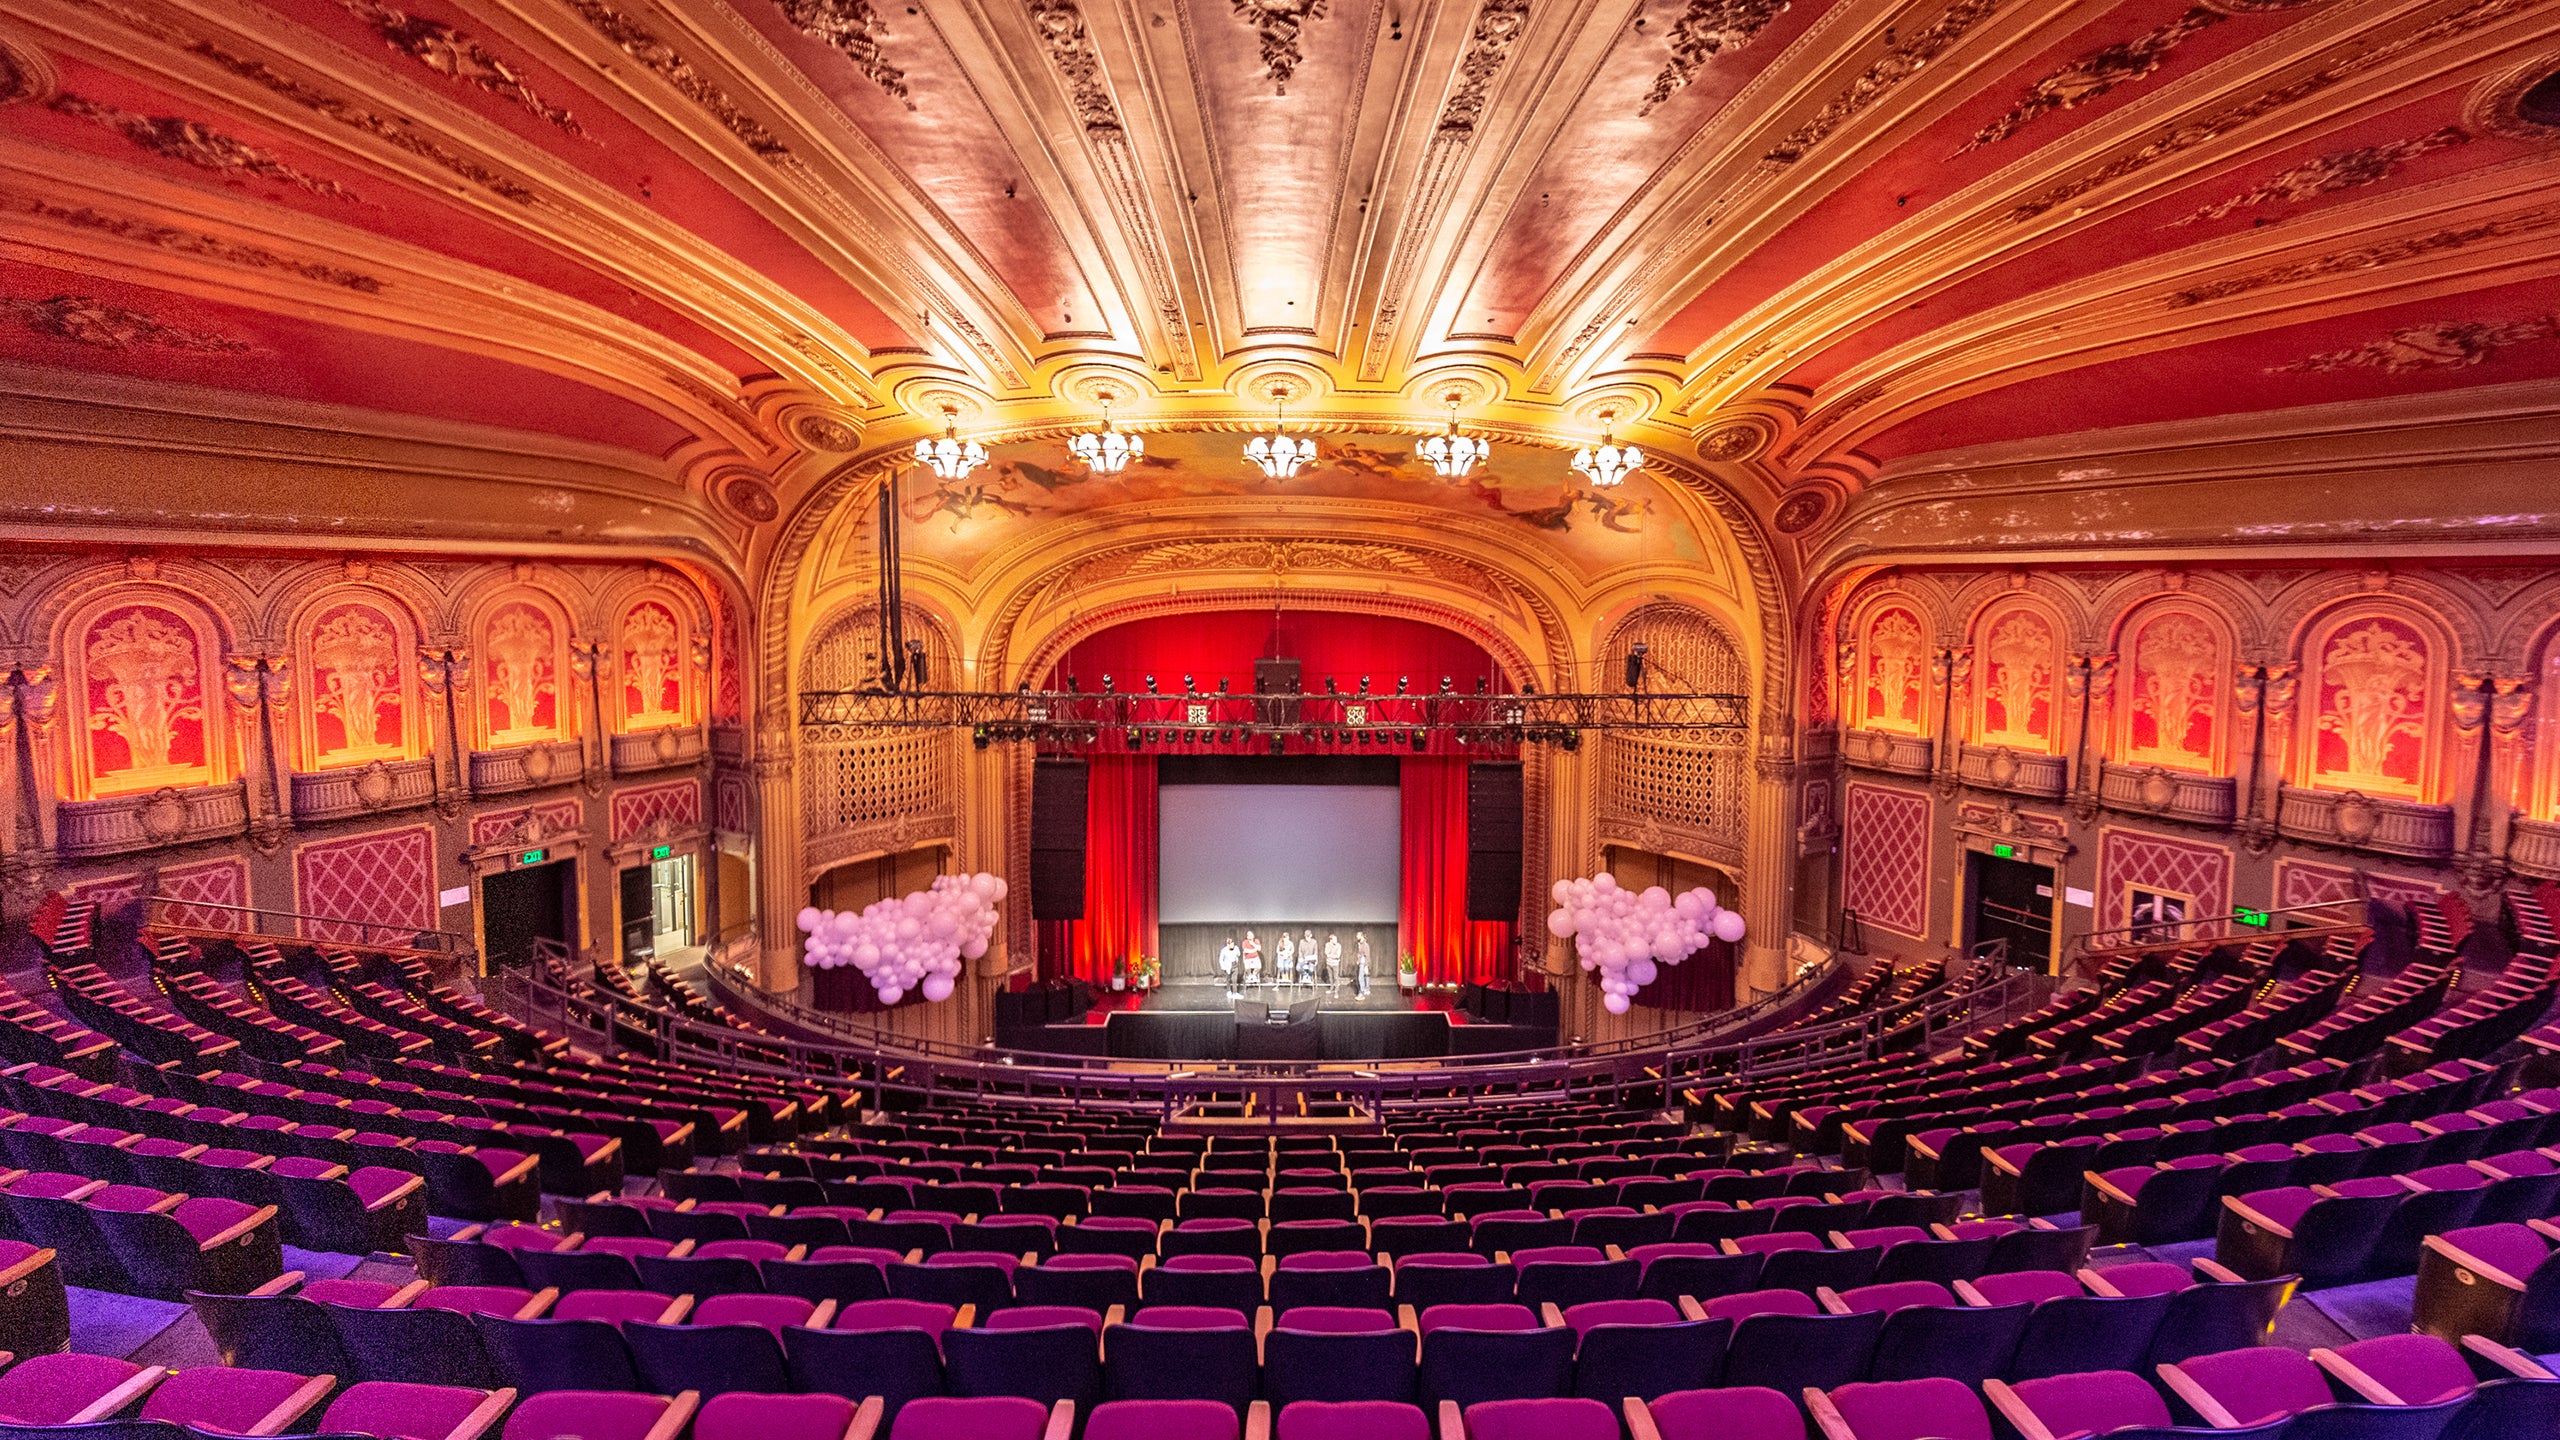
column 1605, row 152
column 302, row 360
column 1857, row 208
column 2238, row 375
column 958, row 163
column 2154, row 228
column 621, row 155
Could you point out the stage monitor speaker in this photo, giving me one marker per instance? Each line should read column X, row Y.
column 1057, row 838
column 1493, row 841
column 1252, row 1012
column 1304, row 1011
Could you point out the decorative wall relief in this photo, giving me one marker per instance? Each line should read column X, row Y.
column 2096, row 73
column 652, row 666
column 1897, row 658
column 384, row 879
column 192, row 142
column 853, row 29
column 525, row 666
column 2371, row 716
column 2443, row 345
column 2337, row 170
column 357, row 686
column 88, row 320
column 2177, row 660
column 2020, row 656
column 457, row 56
column 1885, row 858
column 143, row 670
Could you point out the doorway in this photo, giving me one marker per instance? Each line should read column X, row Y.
column 518, row 907
column 657, row 906
column 2010, row 900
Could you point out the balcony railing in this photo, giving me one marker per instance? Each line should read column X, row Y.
column 2020, row 772
column 1878, row 750
column 2169, row 794
column 656, row 749
column 525, row 767
column 363, row 789
column 148, row 820
column 2365, row 822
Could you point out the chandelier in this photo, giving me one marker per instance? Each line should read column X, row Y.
column 1277, row 454
column 1451, row 454
column 1611, row 463
column 1106, row 450
column 950, row 457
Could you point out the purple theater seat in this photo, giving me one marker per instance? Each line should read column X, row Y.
column 72, row 1389
column 1334, row 1320
column 1355, row 1420
column 1761, row 1302
column 614, row 1307
column 2147, row 1277
column 235, row 1402
column 2026, row 1287
column 1479, row 1317
column 1771, row 1243
column 772, row 1312
column 897, row 1315
column 473, row 1299
column 739, row 1415
column 598, row 1415
column 1735, row 1412
column 1899, row 1296
column 1041, row 1317
column 1927, row 1409
column 987, row 1417
column 1620, row 1312
column 1549, row 1419
column 391, row 1410
column 2249, row 1387
column 2415, row 1369
column 2091, row 1402
column 1162, row 1420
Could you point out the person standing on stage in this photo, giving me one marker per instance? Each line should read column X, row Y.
column 1307, row 959
column 1285, row 971
column 1332, row 961
column 1363, row 990
column 1227, row 957
column 1252, row 959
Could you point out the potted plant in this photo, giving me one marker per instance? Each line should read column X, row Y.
column 1119, row 974
column 1408, row 971
column 1148, row 971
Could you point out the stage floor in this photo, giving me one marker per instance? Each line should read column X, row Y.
column 1200, row 997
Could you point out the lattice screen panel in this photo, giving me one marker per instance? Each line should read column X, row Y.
column 853, row 782
column 1675, row 783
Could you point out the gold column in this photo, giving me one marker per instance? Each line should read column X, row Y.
column 779, row 885
column 1768, row 891
column 2510, row 754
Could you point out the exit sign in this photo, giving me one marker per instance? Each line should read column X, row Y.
column 2004, row 851
column 2250, row 917
column 531, row 857
column 662, row 852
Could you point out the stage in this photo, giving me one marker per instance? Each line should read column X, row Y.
column 1197, row 1020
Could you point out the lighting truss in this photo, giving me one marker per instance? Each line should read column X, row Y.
column 1070, row 719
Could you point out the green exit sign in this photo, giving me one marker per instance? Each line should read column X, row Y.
column 531, row 857
column 662, row 852
column 2004, row 851
column 2250, row 917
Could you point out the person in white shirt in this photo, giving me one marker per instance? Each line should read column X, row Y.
column 1332, row 961
column 1252, row 959
column 1228, row 955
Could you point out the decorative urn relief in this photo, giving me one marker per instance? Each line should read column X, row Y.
column 665, row 745
column 163, row 817
column 537, row 764
column 368, row 789
column 2156, row 789
column 2356, row 817
column 2003, row 768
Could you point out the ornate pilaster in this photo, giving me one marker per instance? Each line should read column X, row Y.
column 2275, row 758
column 2249, row 712
column 259, row 685
column 1952, row 670
column 2510, row 755
column 1768, row 891
column 445, row 675
column 591, row 663
column 780, row 887
column 39, row 694
column 2468, row 705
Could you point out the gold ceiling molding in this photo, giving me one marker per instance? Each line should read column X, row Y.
column 2338, row 170
column 456, row 56
column 2396, row 250
column 2189, row 134
column 632, row 38
column 2497, row 107
column 1903, row 60
column 2103, row 69
column 177, row 240
column 854, row 30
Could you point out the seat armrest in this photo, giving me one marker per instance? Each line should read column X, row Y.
column 2470, row 1262
column 541, row 1303
column 248, row 1225
column 1690, row 1309
column 1827, row 1416
column 2014, row 1410
column 1640, row 1424
column 2505, row 1358
column 825, row 1315
column 1453, row 1425
column 2195, row 1395
column 679, row 1414
column 2216, row 1271
column 291, row 1407
column 2254, row 1218
column 487, row 1413
column 2347, row 1373
column 114, row 1401
column 1062, row 1422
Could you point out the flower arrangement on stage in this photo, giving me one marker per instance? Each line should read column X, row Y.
column 1146, row 972
column 916, row 940
column 1408, row 970
column 1627, row 935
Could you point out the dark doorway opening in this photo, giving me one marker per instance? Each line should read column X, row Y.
column 2010, row 900
column 637, row 914
column 518, row 907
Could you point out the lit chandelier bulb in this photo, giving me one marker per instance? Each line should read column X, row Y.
column 1610, row 463
column 1106, row 451
column 1277, row 454
column 1452, row 454
column 949, row 456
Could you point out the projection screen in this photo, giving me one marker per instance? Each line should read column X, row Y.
column 1267, row 853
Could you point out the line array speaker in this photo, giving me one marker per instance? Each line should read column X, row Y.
column 1057, row 838
column 1493, row 841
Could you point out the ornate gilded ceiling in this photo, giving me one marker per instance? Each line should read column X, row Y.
column 709, row 252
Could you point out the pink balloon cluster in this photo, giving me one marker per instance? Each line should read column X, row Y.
column 1628, row 935
column 914, row 941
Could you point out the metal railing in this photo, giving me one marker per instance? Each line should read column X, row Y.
column 173, row 912
column 2084, row 954
column 1984, row 994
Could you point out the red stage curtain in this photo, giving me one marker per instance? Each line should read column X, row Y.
column 1704, row 981
column 1119, row 921
column 1448, row 948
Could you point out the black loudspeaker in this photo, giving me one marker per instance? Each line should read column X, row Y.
column 1252, row 1012
column 1273, row 676
column 1057, row 838
column 1493, row 841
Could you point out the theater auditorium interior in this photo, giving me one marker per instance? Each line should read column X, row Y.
column 1322, row 719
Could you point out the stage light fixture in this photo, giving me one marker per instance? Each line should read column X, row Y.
column 1106, row 682
column 1404, row 683
column 978, row 737
column 1364, row 684
column 1447, row 685
column 1421, row 740
column 915, row 663
column 1222, row 687
column 1483, row 685
column 1189, row 686
column 1279, row 743
column 1332, row 686
column 1134, row 741
column 1151, row 683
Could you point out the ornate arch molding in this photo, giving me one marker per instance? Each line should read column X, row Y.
column 1643, row 793
column 219, row 594
column 2240, row 610
column 1973, row 604
column 2433, row 603
column 2532, row 615
column 1771, row 591
column 623, row 585
column 290, row 606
